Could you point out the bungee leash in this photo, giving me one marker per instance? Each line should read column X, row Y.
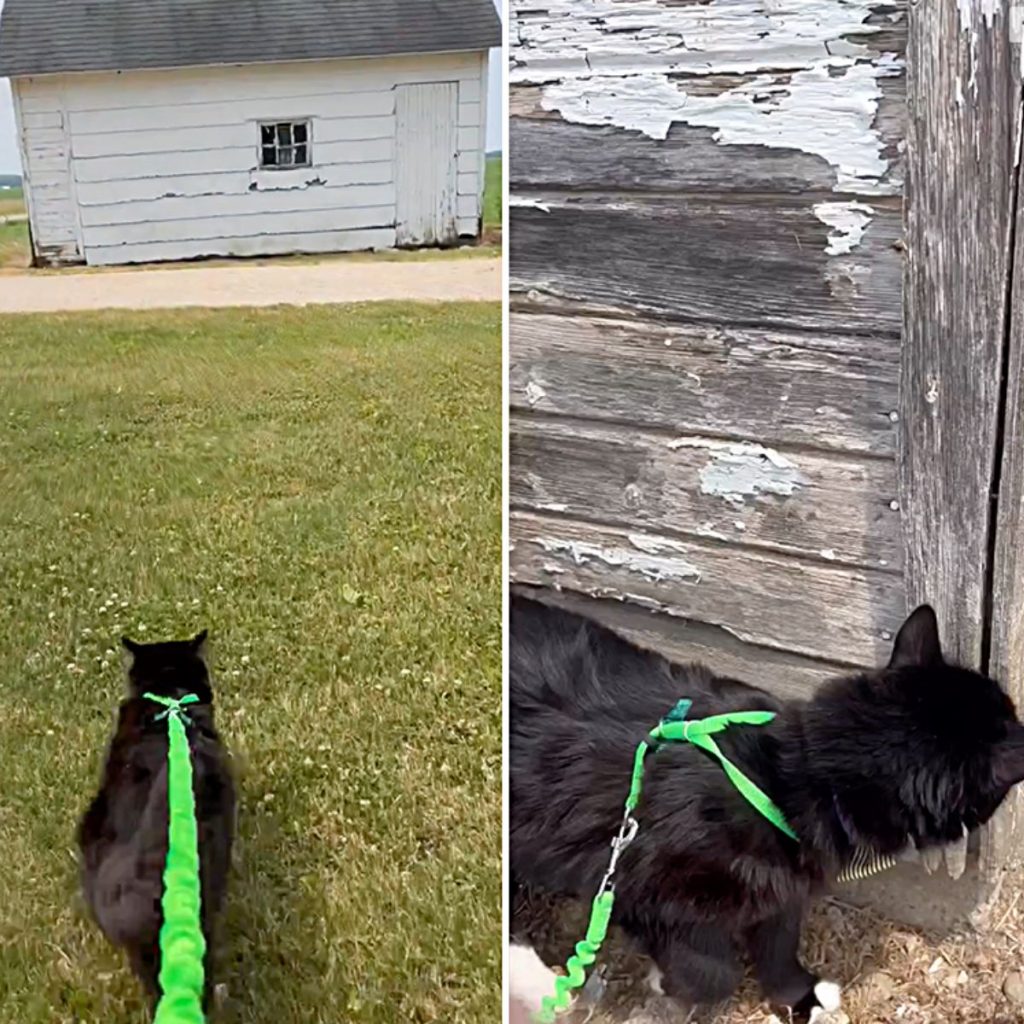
column 673, row 728
column 182, row 944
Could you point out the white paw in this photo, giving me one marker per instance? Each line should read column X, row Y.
column 529, row 978
column 829, row 995
column 654, row 981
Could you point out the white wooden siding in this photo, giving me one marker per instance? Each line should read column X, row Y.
column 44, row 142
column 165, row 164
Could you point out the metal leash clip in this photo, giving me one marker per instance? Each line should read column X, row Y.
column 627, row 833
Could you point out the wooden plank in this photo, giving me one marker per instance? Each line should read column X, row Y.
column 245, row 203
column 244, row 246
column 965, row 110
column 686, row 641
column 288, row 80
column 1004, row 839
column 741, row 260
column 763, row 598
column 547, row 150
column 103, row 193
column 215, row 161
column 960, row 173
column 329, row 219
column 752, row 75
column 833, row 392
column 821, row 507
column 175, row 117
column 242, row 133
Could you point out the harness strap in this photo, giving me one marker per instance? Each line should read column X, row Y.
column 673, row 728
column 182, row 944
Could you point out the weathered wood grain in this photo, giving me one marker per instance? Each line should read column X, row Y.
column 958, row 199
column 963, row 92
column 754, row 260
column 805, row 503
column 1005, row 839
column 686, row 641
column 788, row 604
column 831, row 392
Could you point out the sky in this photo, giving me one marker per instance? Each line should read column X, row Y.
column 10, row 162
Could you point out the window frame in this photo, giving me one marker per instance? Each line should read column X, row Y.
column 279, row 146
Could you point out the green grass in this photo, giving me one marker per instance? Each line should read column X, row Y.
column 321, row 488
column 14, row 248
column 492, row 193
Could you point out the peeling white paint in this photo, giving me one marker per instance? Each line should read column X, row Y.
column 656, row 560
column 740, row 470
column 610, row 62
column 534, row 392
column 527, row 202
column 848, row 222
column 554, row 507
column 829, row 554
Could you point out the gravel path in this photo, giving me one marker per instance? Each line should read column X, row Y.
column 299, row 285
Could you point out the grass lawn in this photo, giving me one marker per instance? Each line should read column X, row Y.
column 321, row 488
column 14, row 249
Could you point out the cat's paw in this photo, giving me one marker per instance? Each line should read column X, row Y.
column 820, row 1005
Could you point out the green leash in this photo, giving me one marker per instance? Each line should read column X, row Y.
column 182, row 945
column 673, row 728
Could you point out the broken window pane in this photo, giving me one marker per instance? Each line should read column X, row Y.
column 284, row 144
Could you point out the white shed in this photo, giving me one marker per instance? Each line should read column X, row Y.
column 176, row 129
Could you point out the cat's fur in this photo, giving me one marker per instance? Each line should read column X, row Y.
column 123, row 835
column 916, row 750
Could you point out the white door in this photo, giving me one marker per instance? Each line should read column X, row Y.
column 427, row 163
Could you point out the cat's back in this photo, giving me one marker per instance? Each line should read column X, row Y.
column 566, row 665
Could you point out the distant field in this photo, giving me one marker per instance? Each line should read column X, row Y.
column 492, row 193
column 12, row 202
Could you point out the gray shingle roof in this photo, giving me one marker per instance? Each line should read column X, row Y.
column 44, row 36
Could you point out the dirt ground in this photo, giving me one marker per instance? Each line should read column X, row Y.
column 889, row 974
column 248, row 285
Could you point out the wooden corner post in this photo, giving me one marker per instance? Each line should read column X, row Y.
column 961, row 466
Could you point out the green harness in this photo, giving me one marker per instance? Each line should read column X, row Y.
column 182, row 945
column 673, row 728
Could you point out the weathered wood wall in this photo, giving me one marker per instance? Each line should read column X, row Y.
column 161, row 165
column 731, row 408
column 706, row 270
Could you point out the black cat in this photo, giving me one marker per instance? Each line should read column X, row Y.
column 918, row 752
column 123, row 835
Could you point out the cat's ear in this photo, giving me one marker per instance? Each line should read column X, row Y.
column 917, row 643
column 199, row 645
column 131, row 650
column 1008, row 758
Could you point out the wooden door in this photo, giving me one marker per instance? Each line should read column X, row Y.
column 427, row 158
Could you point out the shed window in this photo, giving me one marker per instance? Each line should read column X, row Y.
column 285, row 144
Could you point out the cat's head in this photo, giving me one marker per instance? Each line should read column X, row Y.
column 920, row 750
column 170, row 669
